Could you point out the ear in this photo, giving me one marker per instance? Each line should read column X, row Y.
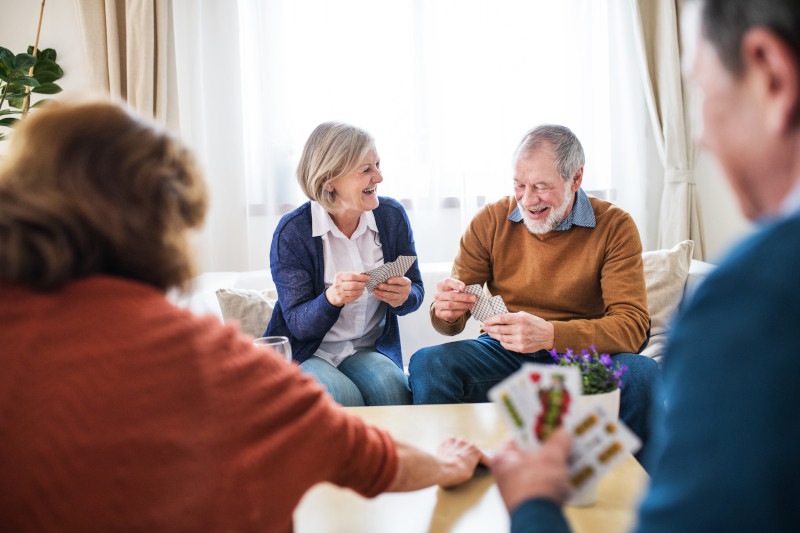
column 772, row 75
column 327, row 184
column 577, row 180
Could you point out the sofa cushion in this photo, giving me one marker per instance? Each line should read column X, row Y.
column 665, row 273
column 251, row 308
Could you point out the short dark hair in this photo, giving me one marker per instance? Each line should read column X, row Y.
column 91, row 189
column 724, row 23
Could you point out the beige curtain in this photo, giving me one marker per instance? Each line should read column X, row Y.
column 130, row 51
column 656, row 23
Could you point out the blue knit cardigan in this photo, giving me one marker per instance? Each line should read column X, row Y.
column 303, row 313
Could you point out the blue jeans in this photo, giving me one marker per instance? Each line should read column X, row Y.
column 364, row 378
column 464, row 371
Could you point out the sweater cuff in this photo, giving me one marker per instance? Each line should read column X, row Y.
column 448, row 328
column 536, row 515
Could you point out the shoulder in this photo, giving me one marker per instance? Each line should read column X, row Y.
column 498, row 210
column 770, row 258
column 607, row 212
column 294, row 224
column 390, row 209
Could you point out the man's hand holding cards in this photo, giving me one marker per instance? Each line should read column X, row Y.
column 538, row 399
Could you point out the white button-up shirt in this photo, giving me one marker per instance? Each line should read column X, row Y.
column 361, row 321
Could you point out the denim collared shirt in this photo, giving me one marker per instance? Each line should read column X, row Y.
column 581, row 214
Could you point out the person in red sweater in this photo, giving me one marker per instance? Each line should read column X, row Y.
column 119, row 410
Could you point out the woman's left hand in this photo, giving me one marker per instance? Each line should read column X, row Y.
column 394, row 292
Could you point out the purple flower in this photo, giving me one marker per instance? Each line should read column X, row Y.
column 606, row 360
column 554, row 355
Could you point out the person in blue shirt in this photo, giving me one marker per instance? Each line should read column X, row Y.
column 725, row 451
column 344, row 335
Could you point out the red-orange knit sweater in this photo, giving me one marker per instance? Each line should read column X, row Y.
column 121, row 411
column 589, row 282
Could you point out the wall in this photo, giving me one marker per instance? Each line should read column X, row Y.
column 722, row 220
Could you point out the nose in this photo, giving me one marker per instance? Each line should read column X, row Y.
column 377, row 176
column 530, row 197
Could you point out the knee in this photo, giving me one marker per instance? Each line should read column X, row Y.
column 641, row 373
column 428, row 361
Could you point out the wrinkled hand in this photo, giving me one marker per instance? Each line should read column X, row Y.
column 521, row 332
column 347, row 286
column 449, row 303
column 394, row 292
column 521, row 475
column 459, row 459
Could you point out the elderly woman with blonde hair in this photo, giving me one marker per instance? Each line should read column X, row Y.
column 343, row 335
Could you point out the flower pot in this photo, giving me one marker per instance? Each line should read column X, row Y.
column 609, row 401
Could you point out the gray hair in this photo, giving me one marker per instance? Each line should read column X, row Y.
column 566, row 147
column 332, row 150
column 724, row 23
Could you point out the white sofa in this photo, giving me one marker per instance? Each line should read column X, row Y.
column 415, row 329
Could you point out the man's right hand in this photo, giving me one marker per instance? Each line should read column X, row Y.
column 450, row 303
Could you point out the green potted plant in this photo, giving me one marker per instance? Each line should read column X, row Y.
column 25, row 74
column 601, row 378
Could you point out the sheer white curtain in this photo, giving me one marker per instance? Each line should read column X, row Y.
column 446, row 87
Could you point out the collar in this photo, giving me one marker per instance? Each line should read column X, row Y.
column 322, row 223
column 581, row 214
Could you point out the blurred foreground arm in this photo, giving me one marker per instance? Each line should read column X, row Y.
column 454, row 463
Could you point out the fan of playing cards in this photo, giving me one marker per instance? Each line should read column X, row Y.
column 537, row 399
column 396, row 268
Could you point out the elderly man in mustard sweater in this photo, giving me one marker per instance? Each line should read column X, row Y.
column 569, row 269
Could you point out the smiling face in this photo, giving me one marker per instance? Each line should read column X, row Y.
column 542, row 195
column 357, row 191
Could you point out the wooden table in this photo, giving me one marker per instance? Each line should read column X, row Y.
column 475, row 506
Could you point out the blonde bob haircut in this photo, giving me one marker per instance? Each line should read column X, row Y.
column 87, row 189
column 332, row 150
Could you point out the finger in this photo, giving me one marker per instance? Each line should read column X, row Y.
column 560, row 442
column 399, row 280
column 444, row 296
column 450, row 284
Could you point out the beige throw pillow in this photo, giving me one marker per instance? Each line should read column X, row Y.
column 665, row 273
column 252, row 309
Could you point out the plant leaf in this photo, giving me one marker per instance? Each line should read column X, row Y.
column 6, row 58
column 46, row 70
column 24, row 61
column 10, row 111
column 26, row 80
column 47, row 53
column 47, row 88
column 8, row 121
column 2, row 136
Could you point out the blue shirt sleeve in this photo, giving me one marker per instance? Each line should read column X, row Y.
column 538, row 516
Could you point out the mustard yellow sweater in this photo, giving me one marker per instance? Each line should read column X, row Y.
column 589, row 282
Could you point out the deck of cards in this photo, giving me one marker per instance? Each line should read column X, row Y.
column 484, row 306
column 538, row 399
column 396, row 268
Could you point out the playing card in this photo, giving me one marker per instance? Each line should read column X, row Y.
column 537, row 399
column 555, row 394
column 599, row 442
column 396, row 268
column 484, row 306
column 510, row 397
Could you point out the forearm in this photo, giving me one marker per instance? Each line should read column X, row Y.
column 625, row 332
column 418, row 469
